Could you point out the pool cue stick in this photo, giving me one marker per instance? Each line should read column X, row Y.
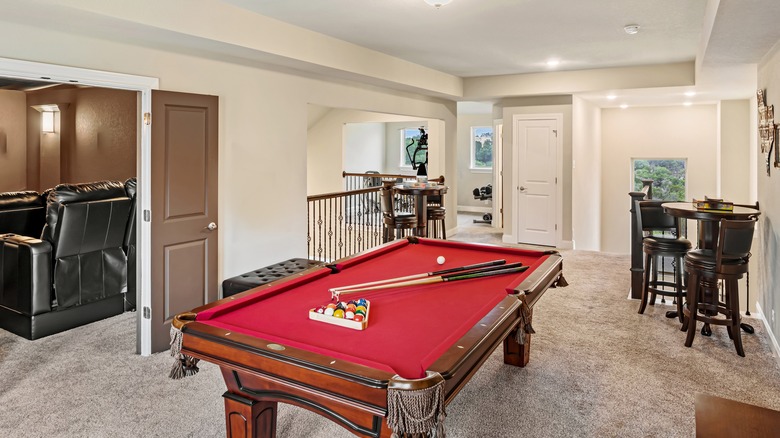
column 487, row 272
column 422, row 275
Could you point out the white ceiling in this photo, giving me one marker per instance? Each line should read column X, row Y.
column 475, row 38
column 495, row 37
column 470, row 38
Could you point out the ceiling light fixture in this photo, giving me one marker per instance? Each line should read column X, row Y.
column 437, row 3
column 631, row 29
column 611, row 97
column 553, row 63
column 624, row 106
column 687, row 103
column 690, row 93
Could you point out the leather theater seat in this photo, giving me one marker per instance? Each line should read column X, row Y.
column 22, row 213
column 76, row 273
column 131, row 186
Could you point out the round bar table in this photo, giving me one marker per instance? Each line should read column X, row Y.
column 421, row 202
column 709, row 229
column 709, row 220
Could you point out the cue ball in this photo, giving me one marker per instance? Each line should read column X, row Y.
column 440, row 260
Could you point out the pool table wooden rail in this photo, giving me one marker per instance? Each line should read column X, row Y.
column 260, row 373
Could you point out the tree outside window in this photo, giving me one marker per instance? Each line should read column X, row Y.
column 668, row 178
column 410, row 136
column 482, row 148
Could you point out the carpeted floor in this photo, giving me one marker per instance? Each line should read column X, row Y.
column 598, row 369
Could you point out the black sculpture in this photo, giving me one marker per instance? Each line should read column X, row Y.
column 422, row 145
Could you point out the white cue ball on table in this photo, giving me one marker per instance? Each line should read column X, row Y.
column 440, row 260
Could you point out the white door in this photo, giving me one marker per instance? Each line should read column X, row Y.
column 536, row 147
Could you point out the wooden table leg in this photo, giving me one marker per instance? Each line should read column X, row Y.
column 514, row 353
column 422, row 215
column 249, row 418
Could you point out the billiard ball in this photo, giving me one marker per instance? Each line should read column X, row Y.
column 440, row 260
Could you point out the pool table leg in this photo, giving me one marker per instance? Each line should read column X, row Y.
column 514, row 353
column 249, row 418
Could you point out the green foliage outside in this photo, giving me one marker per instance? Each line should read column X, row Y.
column 668, row 178
column 483, row 147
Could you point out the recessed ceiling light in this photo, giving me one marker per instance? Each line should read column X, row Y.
column 624, row 106
column 631, row 29
column 437, row 3
column 553, row 62
column 687, row 103
column 690, row 93
column 611, row 97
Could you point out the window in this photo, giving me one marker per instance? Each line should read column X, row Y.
column 668, row 177
column 409, row 141
column 482, row 148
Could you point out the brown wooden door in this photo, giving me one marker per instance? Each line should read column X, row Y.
column 184, row 205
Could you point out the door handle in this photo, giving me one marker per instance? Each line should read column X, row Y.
column 211, row 227
column 522, row 189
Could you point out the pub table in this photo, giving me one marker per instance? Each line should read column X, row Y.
column 421, row 194
column 708, row 231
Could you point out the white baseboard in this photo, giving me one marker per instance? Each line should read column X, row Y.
column 472, row 209
column 773, row 343
column 565, row 244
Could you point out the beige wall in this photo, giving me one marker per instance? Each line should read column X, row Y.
column 538, row 105
column 13, row 140
column 328, row 135
column 263, row 131
column 735, row 150
column 586, row 175
column 105, row 136
column 653, row 132
column 768, row 251
column 95, row 138
column 468, row 179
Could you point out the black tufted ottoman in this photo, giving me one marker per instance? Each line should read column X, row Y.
column 261, row 276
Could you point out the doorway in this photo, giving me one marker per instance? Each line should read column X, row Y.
column 25, row 70
column 537, row 148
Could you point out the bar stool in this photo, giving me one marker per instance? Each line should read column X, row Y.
column 436, row 227
column 728, row 262
column 652, row 218
column 394, row 223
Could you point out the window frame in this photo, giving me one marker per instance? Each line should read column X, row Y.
column 402, row 145
column 472, row 150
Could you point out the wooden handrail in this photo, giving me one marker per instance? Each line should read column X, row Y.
column 342, row 194
column 344, row 174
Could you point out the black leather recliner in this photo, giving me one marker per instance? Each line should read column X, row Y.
column 131, row 186
column 76, row 273
column 22, row 213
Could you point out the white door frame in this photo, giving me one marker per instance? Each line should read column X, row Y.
column 515, row 190
column 498, row 173
column 70, row 75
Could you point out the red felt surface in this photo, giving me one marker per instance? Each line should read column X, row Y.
column 408, row 329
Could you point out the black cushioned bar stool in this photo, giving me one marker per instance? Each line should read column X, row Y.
column 728, row 262
column 651, row 219
column 394, row 222
column 436, row 227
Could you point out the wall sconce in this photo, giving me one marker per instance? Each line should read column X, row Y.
column 47, row 121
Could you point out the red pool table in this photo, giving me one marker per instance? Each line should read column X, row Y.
column 422, row 343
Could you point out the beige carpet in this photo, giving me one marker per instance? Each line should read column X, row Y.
column 598, row 369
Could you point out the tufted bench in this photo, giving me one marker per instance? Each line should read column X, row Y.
column 261, row 276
